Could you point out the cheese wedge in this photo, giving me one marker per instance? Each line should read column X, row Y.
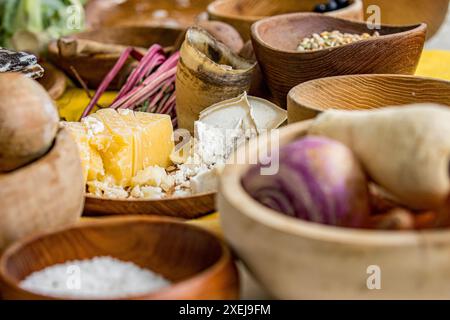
column 116, row 145
column 158, row 141
column 79, row 134
column 118, row 157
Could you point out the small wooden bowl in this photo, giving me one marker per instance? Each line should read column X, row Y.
column 43, row 195
column 93, row 69
column 403, row 12
column 54, row 81
column 197, row 262
column 241, row 14
column 357, row 92
column 295, row 259
column 186, row 208
column 275, row 40
column 169, row 13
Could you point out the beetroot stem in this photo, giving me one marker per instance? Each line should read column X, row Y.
column 107, row 81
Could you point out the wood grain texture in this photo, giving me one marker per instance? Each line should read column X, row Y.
column 186, row 208
column 359, row 92
column 403, row 12
column 54, row 81
column 43, row 195
column 197, row 262
column 202, row 80
column 241, row 14
column 396, row 51
column 93, row 69
column 295, row 259
column 107, row 13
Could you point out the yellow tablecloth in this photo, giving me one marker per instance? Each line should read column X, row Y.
column 433, row 63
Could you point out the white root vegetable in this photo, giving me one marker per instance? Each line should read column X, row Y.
column 406, row 150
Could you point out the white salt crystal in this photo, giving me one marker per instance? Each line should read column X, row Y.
column 97, row 278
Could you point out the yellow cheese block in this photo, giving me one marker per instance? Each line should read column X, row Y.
column 118, row 157
column 158, row 143
column 116, row 145
column 79, row 133
column 91, row 160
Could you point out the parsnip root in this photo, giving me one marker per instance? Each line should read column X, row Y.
column 405, row 150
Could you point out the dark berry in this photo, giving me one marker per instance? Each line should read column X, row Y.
column 342, row 3
column 332, row 6
column 320, row 8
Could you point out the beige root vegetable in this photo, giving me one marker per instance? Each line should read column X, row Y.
column 406, row 150
column 28, row 121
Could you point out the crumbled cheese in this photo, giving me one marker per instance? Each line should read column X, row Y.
column 93, row 125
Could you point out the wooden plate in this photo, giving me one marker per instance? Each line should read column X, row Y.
column 186, row 207
column 93, row 69
column 54, row 81
column 173, row 13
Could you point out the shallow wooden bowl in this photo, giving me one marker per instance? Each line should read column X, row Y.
column 43, row 195
column 295, row 259
column 401, row 12
column 275, row 40
column 186, row 208
column 241, row 14
column 197, row 263
column 54, row 81
column 171, row 13
column 93, row 69
column 358, row 92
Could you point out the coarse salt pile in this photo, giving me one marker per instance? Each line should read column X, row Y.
column 332, row 39
column 97, row 278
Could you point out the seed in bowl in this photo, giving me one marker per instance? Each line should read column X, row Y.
column 331, row 39
column 100, row 277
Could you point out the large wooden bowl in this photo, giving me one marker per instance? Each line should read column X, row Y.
column 275, row 40
column 400, row 12
column 186, row 207
column 169, row 13
column 197, row 263
column 358, row 92
column 93, row 69
column 241, row 14
column 43, row 195
column 295, row 259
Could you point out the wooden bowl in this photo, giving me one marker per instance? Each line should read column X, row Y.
column 295, row 259
column 241, row 14
column 93, row 69
column 275, row 40
column 186, row 208
column 197, row 263
column 401, row 12
column 54, row 81
column 169, row 13
column 43, row 195
column 358, row 92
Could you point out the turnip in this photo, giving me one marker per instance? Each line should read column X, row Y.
column 318, row 180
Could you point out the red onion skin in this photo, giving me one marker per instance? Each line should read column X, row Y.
column 319, row 180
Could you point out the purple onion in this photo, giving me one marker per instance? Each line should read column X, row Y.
column 318, row 180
